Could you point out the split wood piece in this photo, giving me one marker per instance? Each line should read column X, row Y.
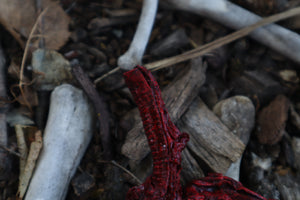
column 22, row 148
column 190, row 168
column 238, row 114
column 133, row 56
column 210, row 140
column 67, row 135
column 100, row 109
column 3, row 110
column 34, row 152
column 166, row 143
column 276, row 37
column 177, row 97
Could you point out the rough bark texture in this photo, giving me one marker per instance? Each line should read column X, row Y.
column 210, row 140
column 177, row 96
column 165, row 140
column 166, row 143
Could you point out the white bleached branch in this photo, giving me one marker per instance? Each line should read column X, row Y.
column 274, row 36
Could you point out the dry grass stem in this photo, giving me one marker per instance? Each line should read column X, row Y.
column 31, row 35
column 199, row 51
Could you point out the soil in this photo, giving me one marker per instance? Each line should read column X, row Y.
column 101, row 31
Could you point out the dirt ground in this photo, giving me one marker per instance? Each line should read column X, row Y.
column 95, row 34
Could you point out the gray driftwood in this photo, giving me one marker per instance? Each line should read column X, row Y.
column 210, row 140
column 177, row 96
column 274, row 36
column 67, row 135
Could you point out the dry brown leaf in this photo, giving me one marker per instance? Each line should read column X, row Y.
column 19, row 16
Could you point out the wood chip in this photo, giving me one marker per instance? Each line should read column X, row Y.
column 34, row 152
column 271, row 121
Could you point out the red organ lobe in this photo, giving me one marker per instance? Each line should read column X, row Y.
column 166, row 143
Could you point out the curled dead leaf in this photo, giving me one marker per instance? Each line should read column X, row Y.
column 19, row 16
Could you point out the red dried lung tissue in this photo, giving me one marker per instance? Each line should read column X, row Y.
column 166, row 143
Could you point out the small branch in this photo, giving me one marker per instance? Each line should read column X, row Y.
column 204, row 49
column 106, row 75
column 100, row 108
column 276, row 37
column 137, row 47
column 31, row 35
column 123, row 168
column 67, row 134
column 10, row 151
column 223, row 41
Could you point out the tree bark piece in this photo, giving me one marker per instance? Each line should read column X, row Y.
column 177, row 96
column 67, row 135
column 165, row 140
column 190, row 168
column 238, row 114
column 276, row 37
column 210, row 140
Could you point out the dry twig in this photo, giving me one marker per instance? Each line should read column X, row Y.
column 202, row 50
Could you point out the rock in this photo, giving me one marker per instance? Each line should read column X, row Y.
column 51, row 69
column 238, row 114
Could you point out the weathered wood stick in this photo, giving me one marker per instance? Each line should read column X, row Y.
column 100, row 109
column 238, row 114
column 67, row 135
column 276, row 37
column 210, row 140
column 177, row 96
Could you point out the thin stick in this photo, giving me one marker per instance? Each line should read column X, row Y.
column 212, row 45
column 221, row 41
column 106, row 75
column 100, row 108
column 25, row 57
column 10, row 151
column 123, row 168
